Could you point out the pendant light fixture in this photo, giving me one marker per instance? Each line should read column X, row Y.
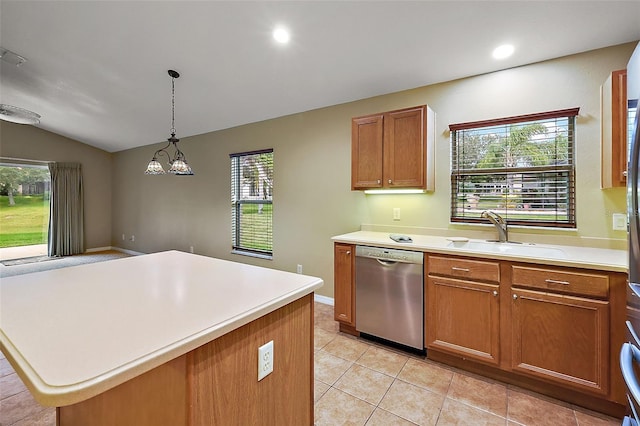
column 178, row 164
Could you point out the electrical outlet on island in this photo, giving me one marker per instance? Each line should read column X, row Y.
column 265, row 360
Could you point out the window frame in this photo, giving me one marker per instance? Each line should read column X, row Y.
column 237, row 204
column 458, row 172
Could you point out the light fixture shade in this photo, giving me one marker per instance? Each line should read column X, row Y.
column 18, row 115
column 154, row 168
column 180, row 167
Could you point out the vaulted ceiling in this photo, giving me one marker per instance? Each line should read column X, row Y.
column 96, row 71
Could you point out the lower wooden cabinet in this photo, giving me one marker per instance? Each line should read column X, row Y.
column 560, row 338
column 556, row 330
column 464, row 318
column 344, row 286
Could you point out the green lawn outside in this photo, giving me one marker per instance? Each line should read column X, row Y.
column 256, row 227
column 25, row 223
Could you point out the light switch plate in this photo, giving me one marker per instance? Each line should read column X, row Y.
column 265, row 360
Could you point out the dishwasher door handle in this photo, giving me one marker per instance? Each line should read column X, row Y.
column 386, row 262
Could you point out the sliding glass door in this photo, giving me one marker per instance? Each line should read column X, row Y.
column 24, row 205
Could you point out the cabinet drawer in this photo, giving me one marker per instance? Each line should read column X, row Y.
column 464, row 268
column 585, row 284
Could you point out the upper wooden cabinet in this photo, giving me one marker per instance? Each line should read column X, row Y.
column 366, row 152
column 614, row 130
column 393, row 149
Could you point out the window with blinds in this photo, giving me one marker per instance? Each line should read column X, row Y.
column 519, row 167
column 252, row 203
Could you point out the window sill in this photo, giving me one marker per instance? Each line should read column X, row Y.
column 251, row 254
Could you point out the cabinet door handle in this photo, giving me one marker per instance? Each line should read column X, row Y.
column 495, row 292
column 515, row 296
column 348, row 252
column 378, row 181
column 455, row 268
column 389, row 180
column 549, row 281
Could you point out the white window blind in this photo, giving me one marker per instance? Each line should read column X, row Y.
column 252, row 203
column 519, row 167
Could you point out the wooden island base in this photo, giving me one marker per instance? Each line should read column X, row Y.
column 216, row 384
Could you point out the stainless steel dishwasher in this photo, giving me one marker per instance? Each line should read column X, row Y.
column 390, row 295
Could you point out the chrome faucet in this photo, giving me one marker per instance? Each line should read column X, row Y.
column 499, row 222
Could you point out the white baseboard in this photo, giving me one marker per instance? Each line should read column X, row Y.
column 323, row 299
column 92, row 250
column 131, row 252
column 122, row 250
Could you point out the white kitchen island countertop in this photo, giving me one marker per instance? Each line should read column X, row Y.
column 73, row 333
column 559, row 255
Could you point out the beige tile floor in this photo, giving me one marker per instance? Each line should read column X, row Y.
column 362, row 383
column 17, row 406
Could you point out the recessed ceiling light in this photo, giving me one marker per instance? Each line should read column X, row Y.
column 503, row 51
column 281, row 35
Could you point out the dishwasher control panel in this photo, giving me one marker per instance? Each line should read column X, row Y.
column 390, row 254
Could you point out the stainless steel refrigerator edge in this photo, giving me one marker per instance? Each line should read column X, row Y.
column 633, row 93
column 633, row 183
column 630, row 353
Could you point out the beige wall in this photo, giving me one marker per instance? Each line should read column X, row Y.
column 32, row 143
column 312, row 196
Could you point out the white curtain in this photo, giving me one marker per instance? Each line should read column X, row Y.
column 66, row 218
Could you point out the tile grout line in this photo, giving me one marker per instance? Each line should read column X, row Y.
column 446, row 395
column 377, row 405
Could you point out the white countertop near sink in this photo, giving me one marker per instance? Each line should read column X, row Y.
column 560, row 255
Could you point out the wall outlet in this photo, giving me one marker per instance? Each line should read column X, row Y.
column 299, row 269
column 265, row 360
column 396, row 213
column 619, row 222
column 190, row 249
column 133, row 238
column 123, row 237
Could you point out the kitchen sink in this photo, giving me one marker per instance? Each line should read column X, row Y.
column 519, row 249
